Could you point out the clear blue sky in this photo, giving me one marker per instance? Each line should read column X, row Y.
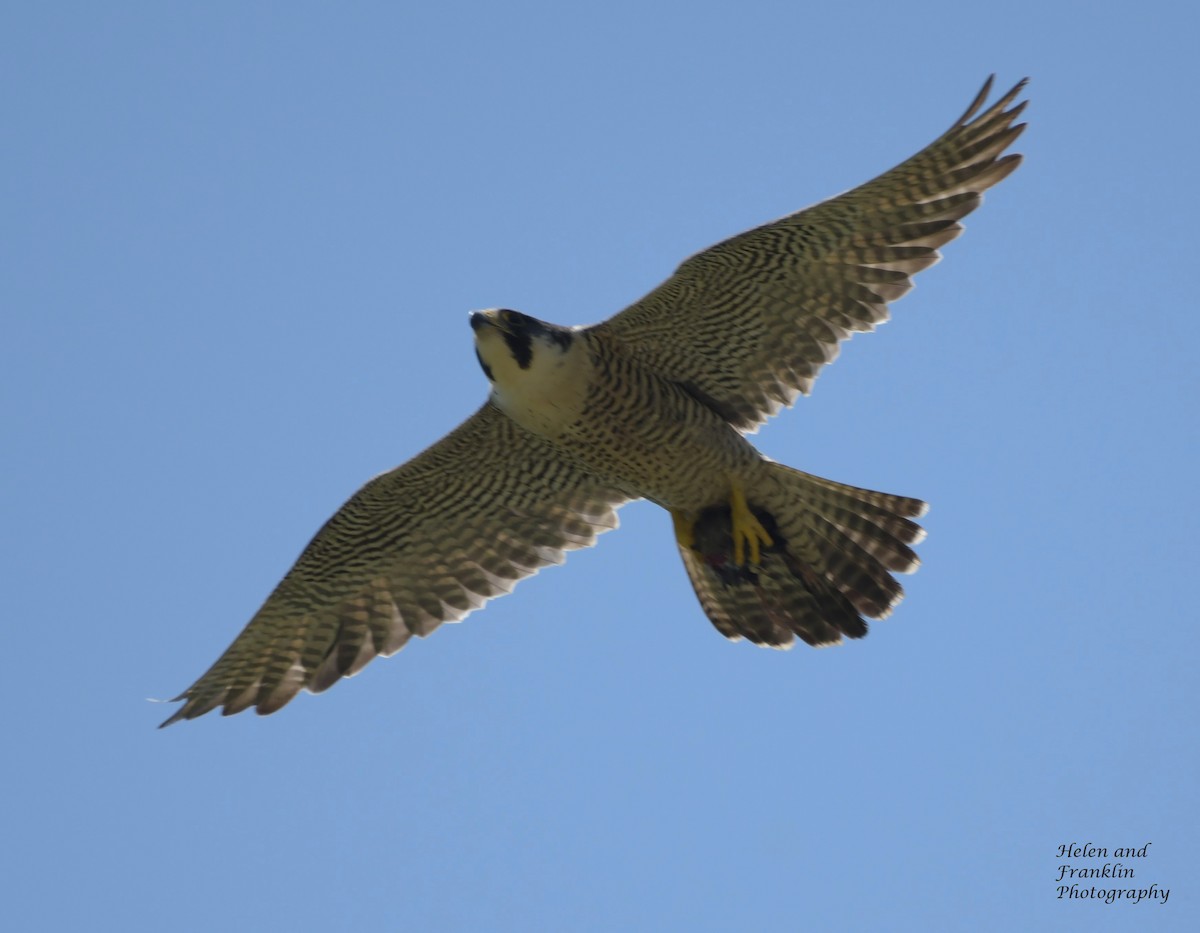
column 239, row 247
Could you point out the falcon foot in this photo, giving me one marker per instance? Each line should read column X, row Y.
column 747, row 530
column 685, row 529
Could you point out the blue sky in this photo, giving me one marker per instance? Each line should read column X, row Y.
column 241, row 242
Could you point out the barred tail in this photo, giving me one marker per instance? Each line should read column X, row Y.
column 829, row 568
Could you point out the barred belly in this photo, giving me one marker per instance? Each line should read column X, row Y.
column 650, row 438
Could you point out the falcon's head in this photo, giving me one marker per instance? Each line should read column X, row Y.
column 514, row 348
column 539, row 372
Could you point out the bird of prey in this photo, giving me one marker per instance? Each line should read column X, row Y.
column 654, row 403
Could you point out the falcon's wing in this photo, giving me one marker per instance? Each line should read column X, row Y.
column 747, row 324
column 424, row 544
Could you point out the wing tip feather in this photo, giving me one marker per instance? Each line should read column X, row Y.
column 972, row 111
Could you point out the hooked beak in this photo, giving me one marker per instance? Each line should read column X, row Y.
column 481, row 319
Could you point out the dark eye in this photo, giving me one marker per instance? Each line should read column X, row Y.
column 509, row 317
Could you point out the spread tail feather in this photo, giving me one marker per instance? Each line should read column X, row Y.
column 829, row 567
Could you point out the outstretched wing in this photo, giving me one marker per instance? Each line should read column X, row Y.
column 427, row 543
column 747, row 324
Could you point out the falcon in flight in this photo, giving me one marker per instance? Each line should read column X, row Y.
column 654, row 403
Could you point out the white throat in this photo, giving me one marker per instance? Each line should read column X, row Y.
column 548, row 396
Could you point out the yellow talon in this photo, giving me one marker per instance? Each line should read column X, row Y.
column 746, row 528
column 685, row 530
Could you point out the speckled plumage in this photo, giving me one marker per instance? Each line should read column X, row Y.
column 654, row 403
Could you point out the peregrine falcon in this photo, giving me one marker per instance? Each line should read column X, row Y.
column 655, row 403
